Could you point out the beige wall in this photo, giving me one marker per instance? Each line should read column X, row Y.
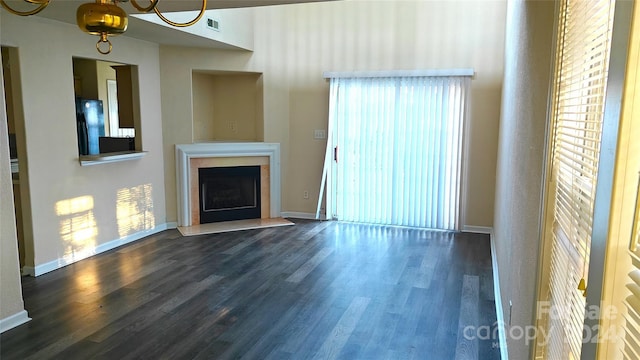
column 294, row 44
column 76, row 208
column 11, row 294
column 203, row 120
column 521, row 155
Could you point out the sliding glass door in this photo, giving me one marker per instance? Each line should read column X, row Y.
column 397, row 145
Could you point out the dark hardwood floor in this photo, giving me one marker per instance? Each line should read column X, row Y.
column 316, row 290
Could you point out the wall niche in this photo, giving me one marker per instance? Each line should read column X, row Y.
column 227, row 106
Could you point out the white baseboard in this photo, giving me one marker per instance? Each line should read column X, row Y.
column 477, row 229
column 14, row 320
column 61, row 262
column 301, row 215
column 502, row 338
column 172, row 225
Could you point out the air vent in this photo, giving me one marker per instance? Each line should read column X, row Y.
column 213, row 24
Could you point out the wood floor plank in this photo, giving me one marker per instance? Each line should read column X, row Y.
column 188, row 292
column 307, row 267
column 319, row 289
column 314, row 231
column 467, row 344
column 336, row 340
column 249, row 241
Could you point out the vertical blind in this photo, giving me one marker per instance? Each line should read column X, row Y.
column 582, row 59
column 398, row 149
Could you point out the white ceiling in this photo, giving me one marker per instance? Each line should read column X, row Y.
column 65, row 11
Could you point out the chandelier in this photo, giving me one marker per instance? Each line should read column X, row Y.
column 104, row 18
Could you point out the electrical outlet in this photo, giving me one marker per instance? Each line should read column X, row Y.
column 319, row 134
column 232, row 126
column 305, row 194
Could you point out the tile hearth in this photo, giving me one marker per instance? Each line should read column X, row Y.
column 227, row 226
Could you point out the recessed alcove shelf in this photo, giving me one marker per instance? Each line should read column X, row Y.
column 227, row 106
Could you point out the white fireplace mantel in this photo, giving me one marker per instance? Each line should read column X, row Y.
column 186, row 152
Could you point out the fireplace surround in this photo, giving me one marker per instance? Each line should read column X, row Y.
column 190, row 157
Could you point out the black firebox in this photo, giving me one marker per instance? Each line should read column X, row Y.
column 229, row 193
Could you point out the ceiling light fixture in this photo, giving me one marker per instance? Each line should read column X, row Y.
column 105, row 18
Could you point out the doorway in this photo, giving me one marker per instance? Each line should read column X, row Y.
column 18, row 155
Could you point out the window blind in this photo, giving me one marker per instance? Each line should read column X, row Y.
column 632, row 318
column 630, row 208
column 398, row 149
column 584, row 36
column 631, row 350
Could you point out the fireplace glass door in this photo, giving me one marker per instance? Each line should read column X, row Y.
column 229, row 193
